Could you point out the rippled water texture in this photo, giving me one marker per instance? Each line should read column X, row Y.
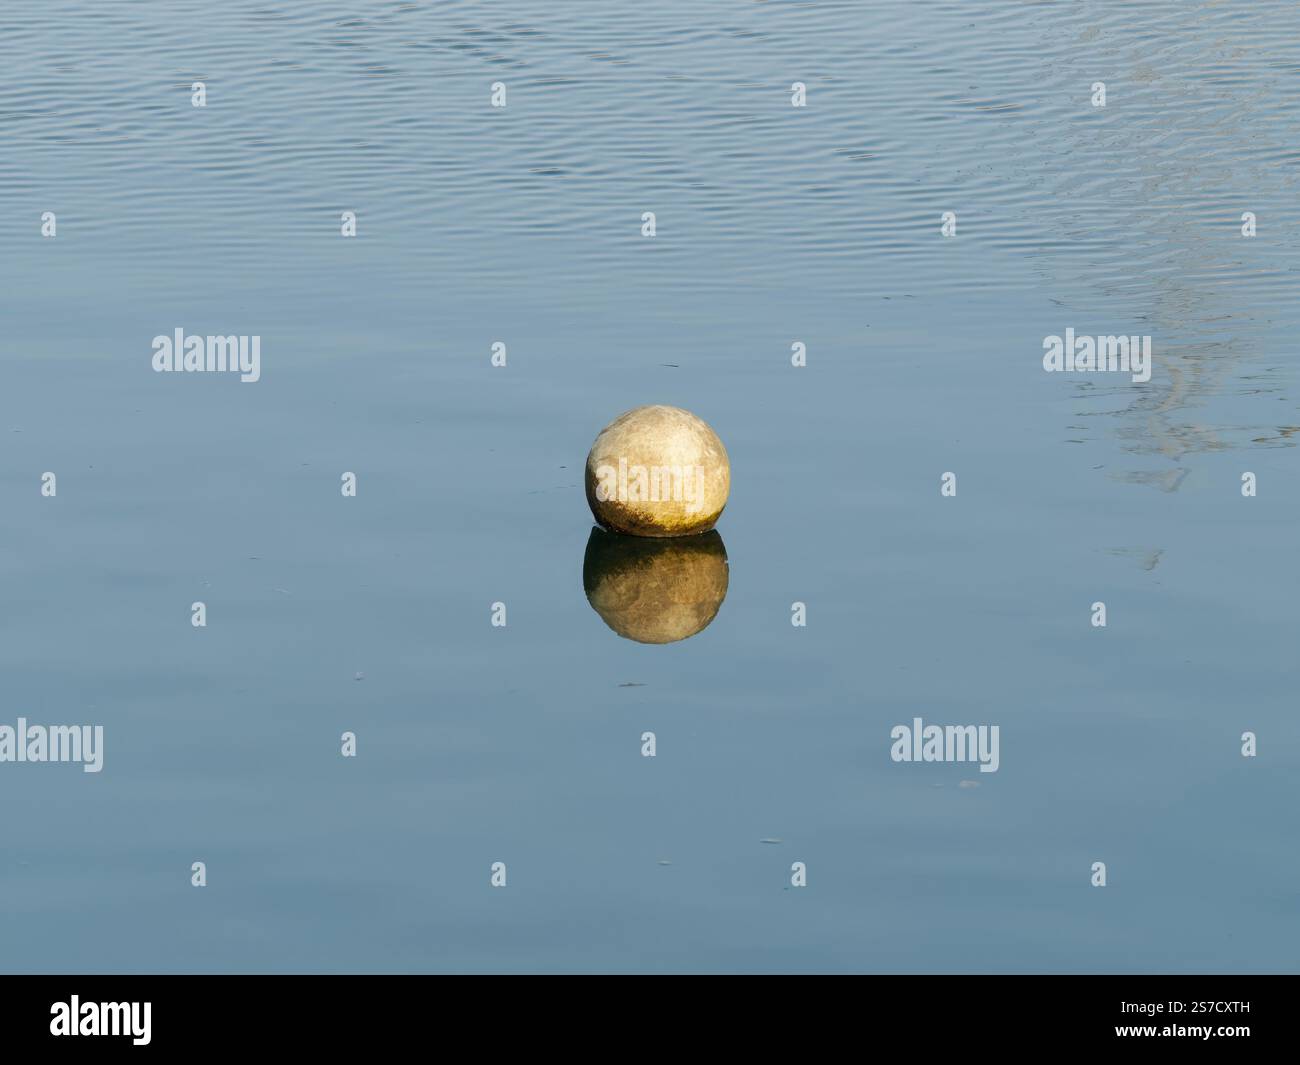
column 775, row 225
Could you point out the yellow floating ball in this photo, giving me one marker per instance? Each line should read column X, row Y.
column 658, row 471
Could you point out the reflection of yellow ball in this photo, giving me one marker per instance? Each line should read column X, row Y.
column 655, row 591
column 658, row 471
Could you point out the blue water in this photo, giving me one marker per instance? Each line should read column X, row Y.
column 775, row 224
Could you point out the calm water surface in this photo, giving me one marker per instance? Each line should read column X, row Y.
column 775, row 224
